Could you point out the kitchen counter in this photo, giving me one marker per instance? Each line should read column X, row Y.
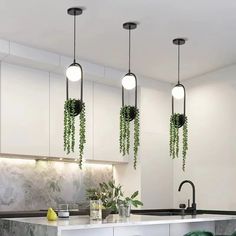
column 113, row 225
column 43, row 213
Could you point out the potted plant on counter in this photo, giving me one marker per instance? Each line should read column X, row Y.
column 124, row 205
column 109, row 194
column 112, row 198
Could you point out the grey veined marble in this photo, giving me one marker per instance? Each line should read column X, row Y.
column 32, row 185
column 11, row 228
column 225, row 227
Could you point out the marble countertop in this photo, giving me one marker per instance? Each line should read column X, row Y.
column 84, row 222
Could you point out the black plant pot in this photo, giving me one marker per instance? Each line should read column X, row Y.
column 179, row 122
column 78, row 108
column 132, row 114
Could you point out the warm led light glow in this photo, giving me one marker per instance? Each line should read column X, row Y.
column 129, row 81
column 16, row 160
column 178, row 92
column 74, row 72
column 98, row 165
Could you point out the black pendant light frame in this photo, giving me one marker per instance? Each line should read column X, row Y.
column 75, row 11
column 130, row 26
column 181, row 118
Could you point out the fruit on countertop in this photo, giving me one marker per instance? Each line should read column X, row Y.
column 51, row 215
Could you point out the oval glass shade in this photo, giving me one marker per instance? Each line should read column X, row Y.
column 178, row 92
column 129, row 81
column 74, row 72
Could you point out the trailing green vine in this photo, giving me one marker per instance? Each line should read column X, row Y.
column 125, row 115
column 174, row 137
column 82, row 139
column 69, row 128
column 136, row 137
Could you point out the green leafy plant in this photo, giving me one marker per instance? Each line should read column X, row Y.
column 111, row 195
column 131, row 200
column 174, row 137
column 69, row 128
column 125, row 115
column 108, row 193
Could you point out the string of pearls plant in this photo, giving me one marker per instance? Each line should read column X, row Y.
column 125, row 132
column 69, row 128
column 174, row 138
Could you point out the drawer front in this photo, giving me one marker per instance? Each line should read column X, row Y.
column 88, row 232
column 184, row 228
column 146, row 230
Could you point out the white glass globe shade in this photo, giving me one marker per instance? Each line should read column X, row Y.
column 129, row 81
column 178, row 92
column 74, row 73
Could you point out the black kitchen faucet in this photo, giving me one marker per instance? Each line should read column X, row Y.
column 193, row 208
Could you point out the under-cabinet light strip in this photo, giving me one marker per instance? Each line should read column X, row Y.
column 53, row 159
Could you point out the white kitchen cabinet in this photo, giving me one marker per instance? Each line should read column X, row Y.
column 107, row 104
column 184, row 228
column 145, row 230
column 57, row 99
column 88, row 232
column 24, row 111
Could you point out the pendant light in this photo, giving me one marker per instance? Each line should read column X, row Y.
column 178, row 92
column 129, row 81
column 179, row 120
column 74, row 71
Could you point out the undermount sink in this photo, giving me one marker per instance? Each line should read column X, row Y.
column 163, row 213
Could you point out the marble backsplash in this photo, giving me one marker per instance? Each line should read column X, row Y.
column 34, row 185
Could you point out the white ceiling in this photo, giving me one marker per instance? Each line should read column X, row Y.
column 210, row 26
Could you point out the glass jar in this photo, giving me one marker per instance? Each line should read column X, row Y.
column 63, row 211
column 95, row 209
column 124, row 210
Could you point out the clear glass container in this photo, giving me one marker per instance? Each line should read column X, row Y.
column 63, row 210
column 124, row 210
column 95, row 209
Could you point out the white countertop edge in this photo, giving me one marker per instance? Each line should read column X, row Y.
column 134, row 220
column 151, row 222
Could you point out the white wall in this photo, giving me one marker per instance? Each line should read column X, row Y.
column 154, row 174
column 211, row 163
column 156, row 165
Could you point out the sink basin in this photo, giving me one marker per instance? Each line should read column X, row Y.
column 163, row 213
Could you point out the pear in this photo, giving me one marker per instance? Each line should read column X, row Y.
column 51, row 215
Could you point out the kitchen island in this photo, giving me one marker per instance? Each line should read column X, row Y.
column 136, row 225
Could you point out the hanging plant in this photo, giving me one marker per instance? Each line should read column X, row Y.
column 72, row 108
column 176, row 120
column 127, row 114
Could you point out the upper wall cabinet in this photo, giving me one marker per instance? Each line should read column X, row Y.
column 24, row 111
column 57, row 99
column 107, row 103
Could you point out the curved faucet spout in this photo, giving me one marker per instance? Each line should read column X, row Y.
column 194, row 193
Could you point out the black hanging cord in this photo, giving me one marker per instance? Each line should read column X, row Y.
column 129, row 47
column 178, row 63
column 74, row 37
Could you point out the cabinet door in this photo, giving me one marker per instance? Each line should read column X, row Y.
column 146, row 230
column 107, row 103
column 57, row 99
column 88, row 232
column 24, row 111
